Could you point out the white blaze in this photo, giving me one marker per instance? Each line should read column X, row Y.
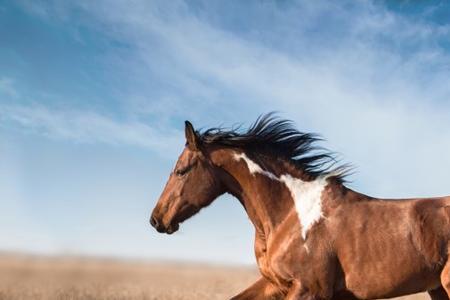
column 306, row 194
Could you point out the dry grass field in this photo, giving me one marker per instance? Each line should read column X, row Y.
column 28, row 277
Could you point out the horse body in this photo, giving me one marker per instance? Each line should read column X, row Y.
column 391, row 248
column 371, row 248
column 314, row 237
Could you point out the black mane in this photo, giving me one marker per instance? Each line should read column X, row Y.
column 270, row 135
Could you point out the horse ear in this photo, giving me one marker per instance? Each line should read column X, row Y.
column 192, row 140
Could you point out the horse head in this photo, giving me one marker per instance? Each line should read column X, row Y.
column 193, row 184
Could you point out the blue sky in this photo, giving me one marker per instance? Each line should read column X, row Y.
column 93, row 96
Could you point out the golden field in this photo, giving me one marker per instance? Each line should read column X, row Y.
column 31, row 277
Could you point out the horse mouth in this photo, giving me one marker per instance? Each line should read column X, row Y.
column 172, row 228
column 169, row 229
column 173, row 225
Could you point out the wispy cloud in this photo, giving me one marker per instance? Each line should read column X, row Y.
column 364, row 76
column 88, row 127
column 327, row 65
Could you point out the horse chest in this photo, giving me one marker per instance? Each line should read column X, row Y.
column 278, row 257
column 268, row 261
column 263, row 259
column 283, row 257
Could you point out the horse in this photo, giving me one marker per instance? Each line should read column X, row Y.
column 315, row 238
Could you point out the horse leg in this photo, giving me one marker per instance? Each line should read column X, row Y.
column 296, row 292
column 438, row 294
column 297, row 295
column 445, row 278
column 262, row 289
column 346, row 295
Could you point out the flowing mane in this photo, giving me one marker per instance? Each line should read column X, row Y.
column 271, row 135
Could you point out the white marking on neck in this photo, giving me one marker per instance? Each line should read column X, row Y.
column 254, row 167
column 307, row 195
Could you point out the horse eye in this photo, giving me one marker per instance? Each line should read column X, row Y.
column 181, row 172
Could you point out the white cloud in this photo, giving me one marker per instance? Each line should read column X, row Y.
column 89, row 127
column 329, row 66
column 376, row 82
column 377, row 90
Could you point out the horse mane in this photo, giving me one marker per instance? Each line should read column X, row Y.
column 272, row 136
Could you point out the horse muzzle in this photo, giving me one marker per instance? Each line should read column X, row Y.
column 161, row 228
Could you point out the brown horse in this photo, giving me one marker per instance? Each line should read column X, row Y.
column 314, row 237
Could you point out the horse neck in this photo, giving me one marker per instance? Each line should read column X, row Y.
column 266, row 200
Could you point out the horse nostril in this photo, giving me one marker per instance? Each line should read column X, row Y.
column 154, row 222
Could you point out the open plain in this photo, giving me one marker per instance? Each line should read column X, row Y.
column 32, row 277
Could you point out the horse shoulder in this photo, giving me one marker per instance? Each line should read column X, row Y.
column 291, row 258
column 431, row 228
